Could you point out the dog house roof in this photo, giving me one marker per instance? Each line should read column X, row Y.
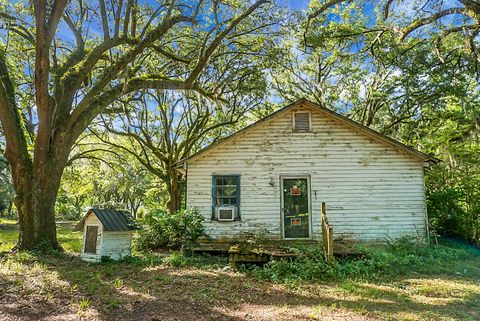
column 111, row 219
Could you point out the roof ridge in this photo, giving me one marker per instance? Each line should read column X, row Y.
column 346, row 120
column 111, row 219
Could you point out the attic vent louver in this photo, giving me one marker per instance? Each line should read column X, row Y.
column 301, row 121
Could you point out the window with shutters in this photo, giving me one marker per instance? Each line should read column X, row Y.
column 301, row 121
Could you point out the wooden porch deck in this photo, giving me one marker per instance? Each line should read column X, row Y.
column 244, row 252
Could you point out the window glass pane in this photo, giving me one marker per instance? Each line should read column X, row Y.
column 219, row 191
column 231, row 180
column 225, row 192
column 230, row 190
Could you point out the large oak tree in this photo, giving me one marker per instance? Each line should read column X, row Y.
column 78, row 58
column 161, row 129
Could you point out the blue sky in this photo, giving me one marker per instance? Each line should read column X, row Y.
column 294, row 4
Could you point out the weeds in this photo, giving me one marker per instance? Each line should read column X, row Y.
column 83, row 305
column 118, row 283
column 434, row 282
column 177, row 259
column 397, row 258
column 113, row 303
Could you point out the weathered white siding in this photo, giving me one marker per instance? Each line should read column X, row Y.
column 372, row 188
column 92, row 220
column 117, row 245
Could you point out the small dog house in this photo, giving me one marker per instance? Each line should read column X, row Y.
column 106, row 232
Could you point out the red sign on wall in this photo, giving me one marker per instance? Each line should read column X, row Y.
column 295, row 221
column 295, row 191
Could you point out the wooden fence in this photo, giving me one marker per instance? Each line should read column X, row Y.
column 327, row 235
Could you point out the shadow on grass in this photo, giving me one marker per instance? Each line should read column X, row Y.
column 388, row 300
column 145, row 289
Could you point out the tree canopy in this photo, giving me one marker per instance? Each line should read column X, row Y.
column 126, row 88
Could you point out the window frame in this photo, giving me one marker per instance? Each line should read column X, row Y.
column 294, row 129
column 214, row 196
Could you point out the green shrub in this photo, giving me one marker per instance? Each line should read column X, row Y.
column 179, row 230
column 453, row 197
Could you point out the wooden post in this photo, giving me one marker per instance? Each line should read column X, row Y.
column 330, row 245
column 324, row 230
column 327, row 235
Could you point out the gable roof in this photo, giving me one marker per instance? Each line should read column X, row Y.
column 112, row 220
column 329, row 113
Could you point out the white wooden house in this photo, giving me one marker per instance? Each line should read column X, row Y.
column 106, row 233
column 273, row 175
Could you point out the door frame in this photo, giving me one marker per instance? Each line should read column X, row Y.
column 282, row 212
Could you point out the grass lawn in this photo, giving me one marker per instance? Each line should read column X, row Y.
column 172, row 287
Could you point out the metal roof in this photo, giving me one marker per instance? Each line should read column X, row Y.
column 112, row 220
column 326, row 111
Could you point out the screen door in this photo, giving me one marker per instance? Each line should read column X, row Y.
column 296, row 207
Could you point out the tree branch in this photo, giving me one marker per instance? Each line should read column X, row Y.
column 207, row 53
column 54, row 18
column 103, row 14
column 16, row 149
column 324, row 8
column 428, row 20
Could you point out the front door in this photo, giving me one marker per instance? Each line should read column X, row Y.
column 295, row 208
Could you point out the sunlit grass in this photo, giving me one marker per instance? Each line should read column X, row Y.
column 449, row 290
column 8, row 239
column 5, row 221
column 70, row 241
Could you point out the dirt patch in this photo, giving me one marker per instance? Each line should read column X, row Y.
column 66, row 288
column 62, row 287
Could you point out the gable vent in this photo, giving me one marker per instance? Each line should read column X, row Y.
column 301, row 121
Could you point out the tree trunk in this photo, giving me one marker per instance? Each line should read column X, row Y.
column 10, row 209
column 173, row 191
column 36, row 184
column 35, row 202
column 134, row 205
column 78, row 206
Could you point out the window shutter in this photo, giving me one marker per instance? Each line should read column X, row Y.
column 302, row 121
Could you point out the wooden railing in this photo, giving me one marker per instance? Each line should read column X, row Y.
column 327, row 235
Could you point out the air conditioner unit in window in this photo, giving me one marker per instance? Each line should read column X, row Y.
column 226, row 213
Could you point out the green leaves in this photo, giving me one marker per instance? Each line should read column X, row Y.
column 181, row 229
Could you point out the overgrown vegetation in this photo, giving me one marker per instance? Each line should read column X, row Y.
column 454, row 198
column 179, row 230
column 403, row 281
column 399, row 257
